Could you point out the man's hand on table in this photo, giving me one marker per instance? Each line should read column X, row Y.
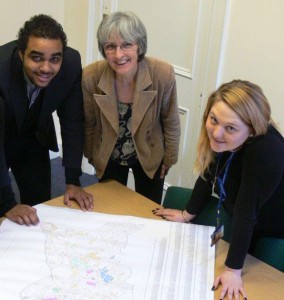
column 23, row 215
column 84, row 199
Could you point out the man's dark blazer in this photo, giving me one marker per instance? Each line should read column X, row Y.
column 63, row 94
column 7, row 198
column 4, row 177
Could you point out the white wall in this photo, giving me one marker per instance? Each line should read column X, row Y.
column 76, row 24
column 254, row 48
column 71, row 14
column 13, row 14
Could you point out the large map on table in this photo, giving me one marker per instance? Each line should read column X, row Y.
column 84, row 255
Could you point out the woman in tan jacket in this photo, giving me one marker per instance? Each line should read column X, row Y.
column 131, row 111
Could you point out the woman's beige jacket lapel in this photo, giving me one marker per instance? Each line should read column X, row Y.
column 102, row 122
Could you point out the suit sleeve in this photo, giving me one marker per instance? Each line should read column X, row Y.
column 200, row 197
column 170, row 119
column 262, row 174
column 90, row 119
column 7, row 199
column 71, row 117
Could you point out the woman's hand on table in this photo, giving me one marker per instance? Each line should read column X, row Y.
column 232, row 285
column 174, row 215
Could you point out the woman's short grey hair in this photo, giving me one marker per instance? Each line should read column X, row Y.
column 125, row 25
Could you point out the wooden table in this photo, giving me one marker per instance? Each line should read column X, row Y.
column 261, row 281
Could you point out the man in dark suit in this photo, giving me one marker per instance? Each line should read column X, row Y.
column 39, row 74
column 20, row 213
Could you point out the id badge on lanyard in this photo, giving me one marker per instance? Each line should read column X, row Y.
column 219, row 231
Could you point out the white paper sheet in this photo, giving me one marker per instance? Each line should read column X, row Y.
column 84, row 255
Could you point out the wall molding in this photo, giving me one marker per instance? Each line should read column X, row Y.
column 182, row 71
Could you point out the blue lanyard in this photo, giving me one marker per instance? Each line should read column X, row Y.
column 221, row 183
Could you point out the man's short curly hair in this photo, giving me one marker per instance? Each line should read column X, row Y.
column 41, row 26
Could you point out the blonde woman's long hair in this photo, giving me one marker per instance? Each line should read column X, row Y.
column 247, row 100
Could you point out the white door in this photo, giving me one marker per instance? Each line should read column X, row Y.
column 187, row 34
